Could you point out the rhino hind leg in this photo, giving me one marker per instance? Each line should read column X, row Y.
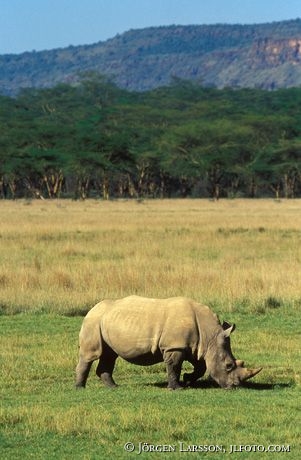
column 198, row 372
column 82, row 372
column 174, row 360
column 106, row 366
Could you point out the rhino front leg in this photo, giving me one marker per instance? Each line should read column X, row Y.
column 82, row 372
column 173, row 360
column 199, row 371
column 106, row 366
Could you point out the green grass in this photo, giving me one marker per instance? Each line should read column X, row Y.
column 44, row 417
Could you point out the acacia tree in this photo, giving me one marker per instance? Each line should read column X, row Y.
column 279, row 167
column 94, row 137
column 206, row 150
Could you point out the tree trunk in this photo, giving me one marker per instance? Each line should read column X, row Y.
column 54, row 183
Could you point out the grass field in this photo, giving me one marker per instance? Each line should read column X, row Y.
column 58, row 258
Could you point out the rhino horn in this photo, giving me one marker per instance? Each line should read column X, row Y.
column 245, row 373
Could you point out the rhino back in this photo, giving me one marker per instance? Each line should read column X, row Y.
column 137, row 326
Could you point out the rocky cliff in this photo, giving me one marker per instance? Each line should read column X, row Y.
column 264, row 55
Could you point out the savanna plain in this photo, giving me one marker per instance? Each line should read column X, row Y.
column 59, row 258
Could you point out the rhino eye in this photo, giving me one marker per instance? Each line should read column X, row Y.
column 229, row 367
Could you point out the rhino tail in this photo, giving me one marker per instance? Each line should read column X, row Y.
column 90, row 340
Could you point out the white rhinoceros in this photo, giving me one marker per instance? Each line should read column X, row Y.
column 147, row 331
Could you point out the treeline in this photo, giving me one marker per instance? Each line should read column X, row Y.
column 96, row 140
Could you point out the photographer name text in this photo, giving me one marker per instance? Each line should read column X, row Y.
column 145, row 447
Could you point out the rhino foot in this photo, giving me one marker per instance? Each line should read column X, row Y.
column 187, row 380
column 176, row 386
column 112, row 386
column 107, row 379
column 79, row 387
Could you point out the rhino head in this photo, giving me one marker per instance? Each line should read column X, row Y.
column 221, row 364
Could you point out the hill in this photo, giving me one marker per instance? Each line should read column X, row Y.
column 266, row 56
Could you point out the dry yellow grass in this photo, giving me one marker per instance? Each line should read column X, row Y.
column 63, row 256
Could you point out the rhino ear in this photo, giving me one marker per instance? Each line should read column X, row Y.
column 226, row 325
column 229, row 329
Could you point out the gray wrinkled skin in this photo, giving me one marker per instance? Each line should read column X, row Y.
column 147, row 331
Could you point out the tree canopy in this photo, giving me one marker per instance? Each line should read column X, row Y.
column 94, row 139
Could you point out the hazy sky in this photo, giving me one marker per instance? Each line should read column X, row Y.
column 27, row 25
